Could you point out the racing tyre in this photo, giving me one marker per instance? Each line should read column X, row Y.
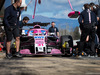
column 13, row 47
column 66, row 51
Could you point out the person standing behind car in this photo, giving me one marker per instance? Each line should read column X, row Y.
column 53, row 29
column 90, row 20
column 11, row 22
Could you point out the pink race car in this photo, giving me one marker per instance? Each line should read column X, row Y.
column 39, row 42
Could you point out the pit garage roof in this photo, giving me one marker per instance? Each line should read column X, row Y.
column 1, row 4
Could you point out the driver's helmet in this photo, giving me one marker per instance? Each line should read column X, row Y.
column 36, row 32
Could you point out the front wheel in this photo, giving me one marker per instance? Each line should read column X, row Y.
column 67, row 40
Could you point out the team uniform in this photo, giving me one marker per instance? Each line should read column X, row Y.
column 53, row 30
column 11, row 22
column 98, row 26
column 88, row 28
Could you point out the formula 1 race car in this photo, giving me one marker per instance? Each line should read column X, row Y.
column 38, row 41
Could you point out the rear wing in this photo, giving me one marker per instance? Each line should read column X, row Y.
column 34, row 23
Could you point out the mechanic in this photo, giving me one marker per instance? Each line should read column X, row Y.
column 90, row 20
column 23, row 23
column 96, row 9
column 54, row 29
column 11, row 22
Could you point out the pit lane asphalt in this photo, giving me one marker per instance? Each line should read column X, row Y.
column 48, row 65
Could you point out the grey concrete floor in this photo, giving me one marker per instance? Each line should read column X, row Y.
column 48, row 65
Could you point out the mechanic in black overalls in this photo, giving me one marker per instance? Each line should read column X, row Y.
column 96, row 10
column 23, row 23
column 98, row 18
column 89, row 21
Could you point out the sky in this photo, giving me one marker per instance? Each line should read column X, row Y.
column 54, row 8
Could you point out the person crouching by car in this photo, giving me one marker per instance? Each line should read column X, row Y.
column 90, row 20
column 23, row 23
